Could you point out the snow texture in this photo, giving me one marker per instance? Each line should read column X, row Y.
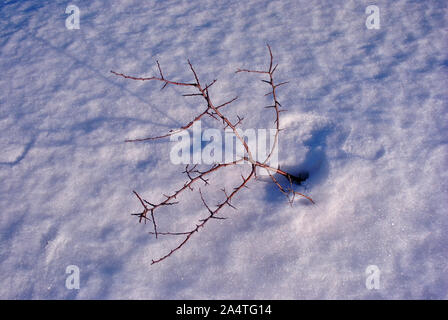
column 367, row 118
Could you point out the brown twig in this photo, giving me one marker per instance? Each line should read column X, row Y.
column 194, row 175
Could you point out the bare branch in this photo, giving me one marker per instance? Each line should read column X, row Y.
column 194, row 175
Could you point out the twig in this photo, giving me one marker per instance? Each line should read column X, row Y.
column 194, row 175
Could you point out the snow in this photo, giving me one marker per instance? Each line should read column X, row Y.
column 367, row 118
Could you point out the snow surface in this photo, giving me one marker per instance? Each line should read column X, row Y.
column 367, row 117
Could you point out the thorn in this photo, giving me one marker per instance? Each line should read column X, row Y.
column 192, row 94
column 212, row 83
column 149, row 203
column 230, row 205
column 280, row 84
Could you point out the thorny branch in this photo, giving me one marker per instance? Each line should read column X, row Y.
column 195, row 175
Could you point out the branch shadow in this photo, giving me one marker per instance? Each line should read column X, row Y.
column 22, row 156
column 101, row 75
column 313, row 170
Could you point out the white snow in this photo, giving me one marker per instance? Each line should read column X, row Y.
column 367, row 117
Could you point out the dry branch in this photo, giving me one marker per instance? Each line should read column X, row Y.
column 194, row 175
